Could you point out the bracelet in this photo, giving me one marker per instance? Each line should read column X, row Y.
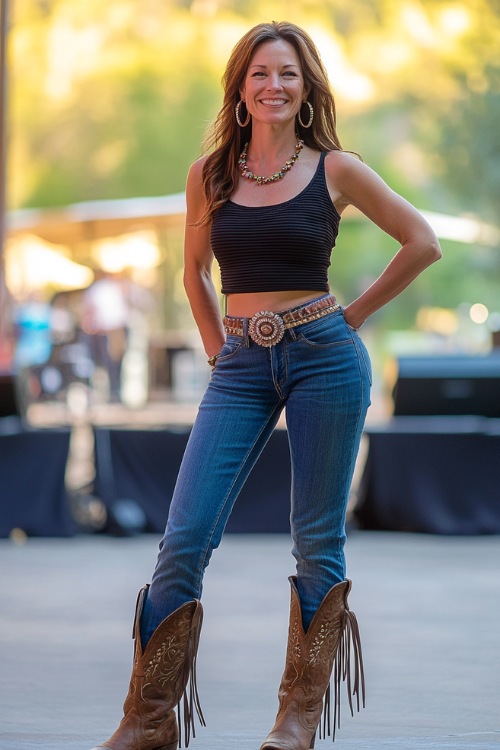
column 355, row 328
column 212, row 360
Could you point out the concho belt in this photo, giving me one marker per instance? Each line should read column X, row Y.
column 268, row 328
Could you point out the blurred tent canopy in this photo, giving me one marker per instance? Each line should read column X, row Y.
column 93, row 220
column 33, row 264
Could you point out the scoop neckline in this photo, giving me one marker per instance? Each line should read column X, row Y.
column 293, row 198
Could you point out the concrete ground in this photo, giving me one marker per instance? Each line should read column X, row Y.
column 428, row 609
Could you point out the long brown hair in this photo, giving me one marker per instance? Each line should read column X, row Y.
column 227, row 138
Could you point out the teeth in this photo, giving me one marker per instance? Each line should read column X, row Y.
column 273, row 101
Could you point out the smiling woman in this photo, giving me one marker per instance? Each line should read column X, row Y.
column 266, row 203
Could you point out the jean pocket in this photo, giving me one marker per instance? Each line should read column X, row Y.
column 325, row 332
column 349, row 326
column 230, row 347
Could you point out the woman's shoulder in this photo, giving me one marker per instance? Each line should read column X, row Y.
column 195, row 175
column 347, row 177
column 338, row 161
column 196, row 168
column 344, row 168
column 195, row 193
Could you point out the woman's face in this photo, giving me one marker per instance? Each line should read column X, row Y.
column 273, row 89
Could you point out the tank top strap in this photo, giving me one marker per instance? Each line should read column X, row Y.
column 319, row 179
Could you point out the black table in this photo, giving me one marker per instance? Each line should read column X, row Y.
column 32, row 480
column 437, row 475
column 141, row 466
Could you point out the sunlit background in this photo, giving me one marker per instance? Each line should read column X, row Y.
column 108, row 104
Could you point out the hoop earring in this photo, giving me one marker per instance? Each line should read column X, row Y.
column 311, row 115
column 238, row 118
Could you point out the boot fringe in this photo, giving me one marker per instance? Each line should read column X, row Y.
column 190, row 704
column 343, row 670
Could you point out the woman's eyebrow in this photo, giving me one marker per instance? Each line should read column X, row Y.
column 287, row 65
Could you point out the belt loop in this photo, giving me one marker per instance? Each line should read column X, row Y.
column 246, row 337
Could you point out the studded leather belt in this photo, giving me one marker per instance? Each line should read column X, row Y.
column 268, row 328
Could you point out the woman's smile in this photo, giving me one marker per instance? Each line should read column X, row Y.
column 273, row 102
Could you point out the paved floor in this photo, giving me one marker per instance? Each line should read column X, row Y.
column 428, row 608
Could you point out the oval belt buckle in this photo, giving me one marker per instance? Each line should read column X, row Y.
column 266, row 328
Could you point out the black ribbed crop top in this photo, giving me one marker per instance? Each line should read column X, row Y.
column 277, row 248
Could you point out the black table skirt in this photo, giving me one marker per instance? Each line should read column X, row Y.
column 32, row 481
column 432, row 474
column 142, row 466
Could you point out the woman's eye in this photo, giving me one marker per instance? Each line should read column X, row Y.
column 261, row 74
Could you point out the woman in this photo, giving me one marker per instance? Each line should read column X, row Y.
column 267, row 203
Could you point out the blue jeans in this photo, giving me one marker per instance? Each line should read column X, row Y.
column 320, row 374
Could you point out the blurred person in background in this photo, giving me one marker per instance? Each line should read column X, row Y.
column 266, row 202
column 32, row 325
column 105, row 319
column 32, row 318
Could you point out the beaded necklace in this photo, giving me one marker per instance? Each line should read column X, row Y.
column 242, row 163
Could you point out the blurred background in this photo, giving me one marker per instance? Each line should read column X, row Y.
column 105, row 106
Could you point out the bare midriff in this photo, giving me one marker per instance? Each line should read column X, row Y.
column 246, row 305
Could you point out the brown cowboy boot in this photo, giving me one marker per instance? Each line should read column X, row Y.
column 159, row 680
column 310, row 659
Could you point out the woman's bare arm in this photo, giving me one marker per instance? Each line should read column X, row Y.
column 198, row 259
column 353, row 183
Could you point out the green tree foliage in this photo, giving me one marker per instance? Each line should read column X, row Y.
column 108, row 100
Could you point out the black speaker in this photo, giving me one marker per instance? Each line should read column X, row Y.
column 9, row 406
column 448, row 385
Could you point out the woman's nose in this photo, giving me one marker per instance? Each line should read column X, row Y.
column 273, row 82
